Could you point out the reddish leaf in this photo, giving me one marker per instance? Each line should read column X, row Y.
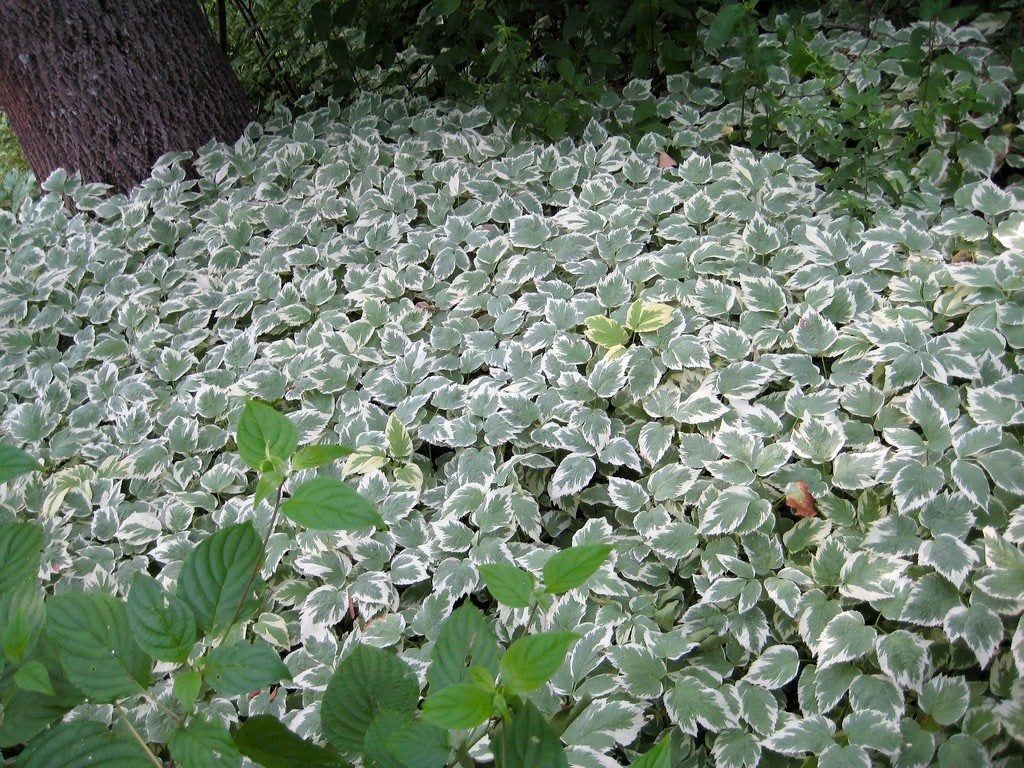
column 801, row 501
column 666, row 161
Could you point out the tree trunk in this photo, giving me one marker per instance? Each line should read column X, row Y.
column 105, row 87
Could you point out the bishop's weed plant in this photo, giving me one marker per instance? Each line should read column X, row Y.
column 773, row 416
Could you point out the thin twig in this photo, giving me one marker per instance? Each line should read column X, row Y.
column 138, row 738
column 163, row 707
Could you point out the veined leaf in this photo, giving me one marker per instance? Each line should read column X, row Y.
column 570, row 568
column 508, row 584
column 163, row 625
column 236, row 669
column 14, row 462
column 531, row 661
column 311, row 456
column 216, row 581
column 266, row 740
column 97, row 649
column 203, row 744
column 83, row 744
column 328, row 504
column 265, row 437
column 367, row 681
column 466, row 640
column 463, row 705
column 528, row 742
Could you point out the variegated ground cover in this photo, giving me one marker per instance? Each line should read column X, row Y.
column 535, row 345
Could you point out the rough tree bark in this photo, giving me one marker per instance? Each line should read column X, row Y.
column 105, row 87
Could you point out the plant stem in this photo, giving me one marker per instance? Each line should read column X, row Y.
column 138, row 738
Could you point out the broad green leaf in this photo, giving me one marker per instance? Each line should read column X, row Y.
column 508, row 584
column 329, row 504
column 463, row 705
column 647, row 318
column 661, row 755
column 97, row 649
column 606, row 332
column 186, row 687
column 217, row 577
column 14, row 462
column 32, row 676
column 394, row 740
column 466, row 640
column 21, row 546
column 266, row 740
column 265, row 437
column 531, row 661
column 83, row 744
column 367, row 681
column 267, row 486
column 528, row 742
column 570, row 568
column 238, row 668
column 22, row 616
column 163, row 625
column 26, row 713
column 723, row 25
column 203, row 744
column 312, row 456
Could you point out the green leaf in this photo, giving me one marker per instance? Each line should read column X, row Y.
column 508, row 584
column 236, row 669
column 723, row 25
column 186, row 687
column 83, row 744
column 17, row 634
column 531, row 661
column 26, row 713
column 32, row 676
column 311, row 456
column 570, row 568
column 366, row 682
column 14, row 462
column 97, row 650
column 217, row 576
column 203, row 744
column 267, row 486
column 459, row 706
column 21, row 546
column 647, row 318
column 606, row 332
column 163, row 625
column 528, row 742
column 329, row 504
column 661, row 755
column 265, row 438
column 267, row 741
column 394, row 740
column 466, row 640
